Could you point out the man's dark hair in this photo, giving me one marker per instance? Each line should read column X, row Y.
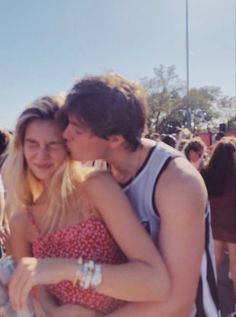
column 219, row 135
column 169, row 139
column 110, row 105
column 195, row 144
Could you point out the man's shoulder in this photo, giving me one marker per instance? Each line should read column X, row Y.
column 162, row 150
column 181, row 178
column 180, row 189
column 181, row 170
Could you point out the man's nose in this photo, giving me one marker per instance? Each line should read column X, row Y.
column 66, row 133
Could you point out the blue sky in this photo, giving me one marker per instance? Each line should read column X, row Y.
column 46, row 44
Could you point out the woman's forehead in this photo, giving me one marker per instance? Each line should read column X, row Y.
column 48, row 129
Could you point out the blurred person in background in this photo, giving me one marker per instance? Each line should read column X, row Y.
column 220, row 178
column 195, row 151
column 219, row 135
column 169, row 139
column 5, row 137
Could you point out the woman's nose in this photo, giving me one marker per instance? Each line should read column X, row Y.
column 44, row 152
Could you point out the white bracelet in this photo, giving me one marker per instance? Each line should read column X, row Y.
column 97, row 276
column 88, row 271
column 78, row 273
column 90, row 274
column 84, row 274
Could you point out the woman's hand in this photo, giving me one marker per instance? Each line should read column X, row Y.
column 31, row 272
column 4, row 235
column 39, row 310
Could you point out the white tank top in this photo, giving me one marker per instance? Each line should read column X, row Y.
column 140, row 191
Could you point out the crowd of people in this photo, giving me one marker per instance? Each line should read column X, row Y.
column 104, row 222
column 217, row 165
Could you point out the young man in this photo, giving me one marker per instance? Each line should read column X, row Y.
column 107, row 117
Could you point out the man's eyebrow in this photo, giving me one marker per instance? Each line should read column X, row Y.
column 77, row 124
column 74, row 123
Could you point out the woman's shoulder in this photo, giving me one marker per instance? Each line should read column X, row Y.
column 98, row 185
column 19, row 219
column 98, row 176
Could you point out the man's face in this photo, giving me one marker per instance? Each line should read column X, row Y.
column 82, row 144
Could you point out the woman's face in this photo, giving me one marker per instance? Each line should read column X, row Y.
column 44, row 149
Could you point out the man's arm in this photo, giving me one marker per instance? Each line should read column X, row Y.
column 180, row 199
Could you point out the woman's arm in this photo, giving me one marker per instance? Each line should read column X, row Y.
column 19, row 239
column 21, row 248
column 144, row 277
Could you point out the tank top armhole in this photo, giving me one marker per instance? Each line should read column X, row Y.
column 155, row 184
column 32, row 221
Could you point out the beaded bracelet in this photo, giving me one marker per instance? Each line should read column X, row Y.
column 88, row 274
column 88, row 270
column 78, row 273
column 97, row 276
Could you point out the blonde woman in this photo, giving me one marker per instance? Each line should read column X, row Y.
column 79, row 216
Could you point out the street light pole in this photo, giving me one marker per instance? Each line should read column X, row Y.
column 235, row 52
column 187, row 49
column 188, row 112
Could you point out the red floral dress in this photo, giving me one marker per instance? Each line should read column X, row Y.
column 92, row 241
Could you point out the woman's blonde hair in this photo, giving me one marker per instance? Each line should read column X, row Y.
column 23, row 188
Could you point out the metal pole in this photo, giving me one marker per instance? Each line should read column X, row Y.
column 188, row 113
column 187, row 50
column 235, row 53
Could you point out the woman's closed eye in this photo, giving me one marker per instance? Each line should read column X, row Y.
column 54, row 146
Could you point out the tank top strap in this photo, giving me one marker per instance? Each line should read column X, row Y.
column 32, row 221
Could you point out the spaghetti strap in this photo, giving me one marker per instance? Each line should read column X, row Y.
column 32, row 221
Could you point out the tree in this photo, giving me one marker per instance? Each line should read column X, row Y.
column 202, row 103
column 231, row 104
column 164, row 96
column 227, row 109
column 169, row 106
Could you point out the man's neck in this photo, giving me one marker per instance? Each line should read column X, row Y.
column 125, row 164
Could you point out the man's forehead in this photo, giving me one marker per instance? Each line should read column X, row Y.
column 78, row 122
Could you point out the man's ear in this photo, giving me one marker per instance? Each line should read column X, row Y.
column 115, row 141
